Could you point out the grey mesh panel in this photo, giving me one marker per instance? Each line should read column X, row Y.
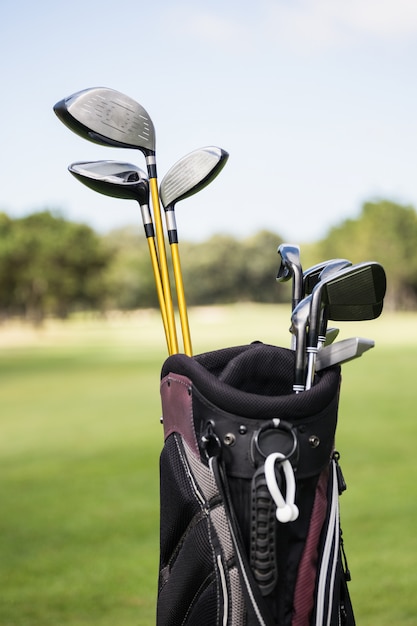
column 220, row 523
column 203, row 475
column 236, row 597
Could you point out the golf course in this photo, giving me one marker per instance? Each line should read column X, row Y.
column 80, row 438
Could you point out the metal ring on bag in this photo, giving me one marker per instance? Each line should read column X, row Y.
column 209, row 439
column 273, row 424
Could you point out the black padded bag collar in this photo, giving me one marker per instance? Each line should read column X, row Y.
column 254, row 381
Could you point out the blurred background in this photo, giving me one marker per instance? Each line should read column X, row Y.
column 315, row 102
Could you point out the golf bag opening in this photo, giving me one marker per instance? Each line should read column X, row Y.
column 250, row 482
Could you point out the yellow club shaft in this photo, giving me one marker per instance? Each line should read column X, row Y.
column 159, row 290
column 163, row 265
column 182, row 307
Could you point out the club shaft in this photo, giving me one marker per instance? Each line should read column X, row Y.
column 182, row 306
column 311, row 365
column 163, row 264
column 159, row 289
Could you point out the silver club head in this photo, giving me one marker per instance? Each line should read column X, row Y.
column 191, row 174
column 290, row 268
column 117, row 180
column 108, row 117
column 112, row 178
column 342, row 352
column 311, row 276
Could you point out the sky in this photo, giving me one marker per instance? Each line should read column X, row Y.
column 314, row 100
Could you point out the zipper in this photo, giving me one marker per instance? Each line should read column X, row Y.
column 224, row 589
column 327, row 573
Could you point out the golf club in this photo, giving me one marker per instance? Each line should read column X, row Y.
column 124, row 180
column 331, row 334
column 311, row 276
column 290, row 268
column 185, row 178
column 331, row 268
column 342, row 352
column 299, row 323
column 110, row 118
column 352, row 294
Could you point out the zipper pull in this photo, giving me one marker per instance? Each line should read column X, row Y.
column 340, row 478
column 345, row 565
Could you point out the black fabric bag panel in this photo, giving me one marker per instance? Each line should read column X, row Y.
column 198, row 581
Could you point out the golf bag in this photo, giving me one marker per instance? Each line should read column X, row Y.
column 250, row 485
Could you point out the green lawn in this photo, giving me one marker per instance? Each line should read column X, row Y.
column 79, row 444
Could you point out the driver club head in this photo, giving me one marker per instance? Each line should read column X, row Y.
column 107, row 117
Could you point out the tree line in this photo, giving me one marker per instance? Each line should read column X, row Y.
column 53, row 267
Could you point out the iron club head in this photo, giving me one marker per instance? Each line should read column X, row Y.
column 290, row 268
column 358, row 289
column 311, row 276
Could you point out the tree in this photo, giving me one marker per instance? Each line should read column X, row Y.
column 261, row 263
column 224, row 269
column 49, row 266
column 129, row 278
column 385, row 232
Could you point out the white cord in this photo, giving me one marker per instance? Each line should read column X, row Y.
column 287, row 510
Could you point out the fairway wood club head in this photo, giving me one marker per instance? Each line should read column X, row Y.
column 117, row 180
column 191, row 174
column 124, row 180
column 113, row 178
column 108, row 117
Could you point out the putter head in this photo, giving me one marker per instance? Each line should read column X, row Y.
column 342, row 352
column 191, row 174
column 108, row 117
column 113, row 178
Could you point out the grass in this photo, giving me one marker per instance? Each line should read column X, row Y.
column 79, row 445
